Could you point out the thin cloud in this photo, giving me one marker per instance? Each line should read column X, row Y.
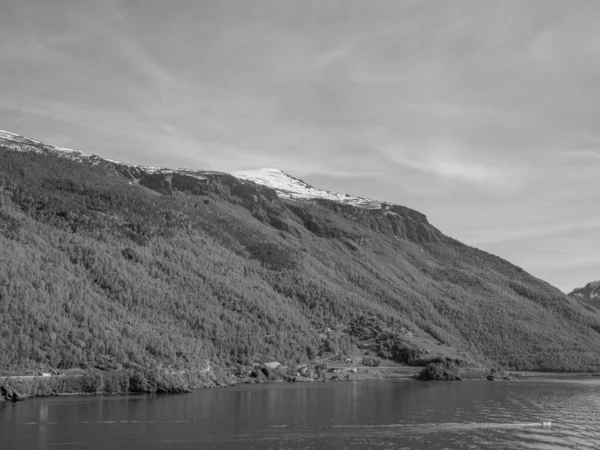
column 447, row 164
column 162, row 80
column 566, row 262
column 122, row 127
column 464, row 171
column 319, row 170
column 593, row 154
column 507, row 234
column 477, row 113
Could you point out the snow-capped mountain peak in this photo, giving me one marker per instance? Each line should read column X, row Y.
column 286, row 186
column 8, row 136
column 293, row 188
column 21, row 143
column 24, row 144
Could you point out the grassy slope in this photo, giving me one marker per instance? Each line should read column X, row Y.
column 97, row 271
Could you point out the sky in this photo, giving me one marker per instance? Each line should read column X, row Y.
column 483, row 115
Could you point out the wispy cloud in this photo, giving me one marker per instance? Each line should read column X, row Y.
column 477, row 113
column 507, row 233
column 460, row 170
column 161, row 80
column 591, row 154
column 450, row 163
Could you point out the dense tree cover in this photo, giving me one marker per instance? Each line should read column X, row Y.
column 101, row 269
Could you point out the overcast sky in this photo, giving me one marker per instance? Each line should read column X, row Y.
column 484, row 115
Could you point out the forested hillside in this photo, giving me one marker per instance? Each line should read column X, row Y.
column 112, row 266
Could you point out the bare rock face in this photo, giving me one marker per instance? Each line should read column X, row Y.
column 9, row 394
column 161, row 182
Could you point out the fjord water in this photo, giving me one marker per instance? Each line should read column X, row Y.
column 334, row 415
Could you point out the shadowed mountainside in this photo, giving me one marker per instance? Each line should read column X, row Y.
column 111, row 266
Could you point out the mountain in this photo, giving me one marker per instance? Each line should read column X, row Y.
column 114, row 266
column 291, row 188
column 589, row 294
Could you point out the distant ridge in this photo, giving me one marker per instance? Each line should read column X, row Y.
column 19, row 143
column 285, row 185
column 589, row 294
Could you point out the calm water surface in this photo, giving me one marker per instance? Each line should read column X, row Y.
column 342, row 415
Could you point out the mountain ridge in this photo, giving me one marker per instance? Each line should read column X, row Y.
column 161, row 178
column 112, row 265
column 589, row 294
column 294, row 188
column 286, row 185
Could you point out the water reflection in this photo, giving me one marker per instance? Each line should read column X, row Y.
column 395, row 414
column 43, row 424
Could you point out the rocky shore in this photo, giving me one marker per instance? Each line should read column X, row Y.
column 91, row 382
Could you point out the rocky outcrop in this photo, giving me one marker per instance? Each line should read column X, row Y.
column 9, row 394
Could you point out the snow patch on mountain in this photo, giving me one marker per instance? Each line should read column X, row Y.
column 295, row 189
column 23, row 144
column 286, row 186
column 7, row 134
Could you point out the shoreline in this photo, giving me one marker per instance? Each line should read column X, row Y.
column 537, row 374
column 11, row 391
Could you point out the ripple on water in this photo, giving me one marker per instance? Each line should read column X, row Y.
column 387, row 415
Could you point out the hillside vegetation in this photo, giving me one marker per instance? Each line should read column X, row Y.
column 112, row 267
